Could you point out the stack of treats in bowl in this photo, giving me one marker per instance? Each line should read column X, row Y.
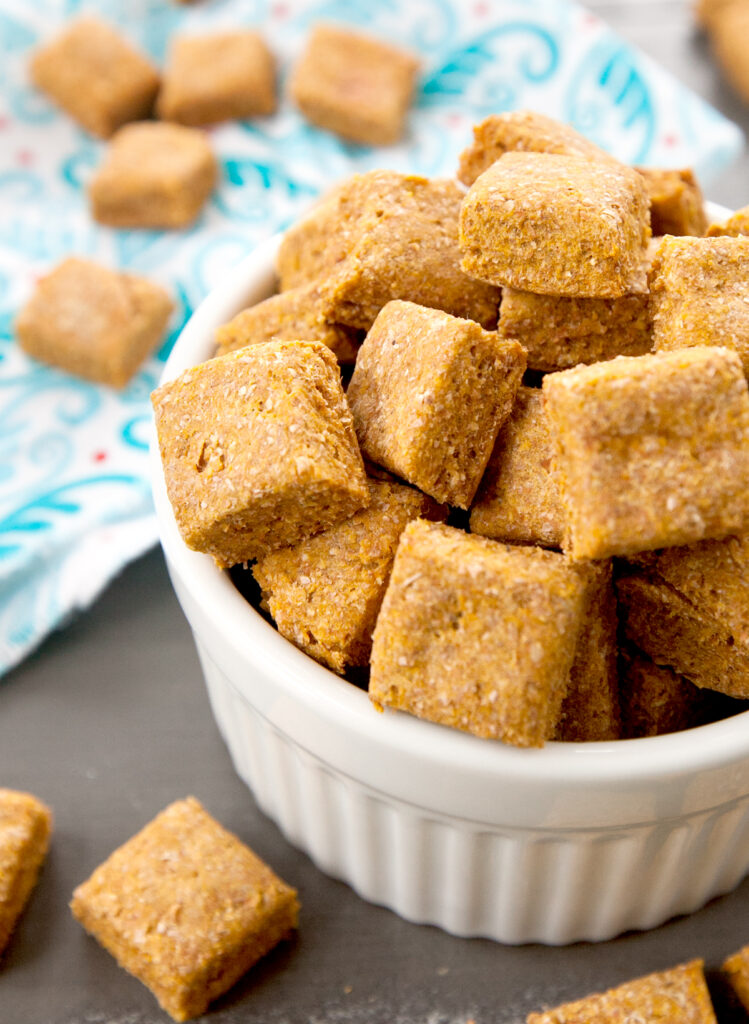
column 523, row 517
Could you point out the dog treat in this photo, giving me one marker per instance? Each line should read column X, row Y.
column 559, row 332
column 689, row 608
column 655, row 700
column 737, row 969
column 557, row 225
column 676, row 996
column 296, row 315
column 325, row 593
column 676, row 201
column 729, row 28
column 517, row 500
column 384, row 236
column 259, row 450
column 25, row 828
column 95, row 76
column 476, row 634
column 699, row 294
column 590, row 710
column 736, row 225
column 651, row 451
column 186, row 908
column 354, row 85
column 97, row 323
column 428, row 396
column 218, row 77
column 525, row 131
column 154, row 175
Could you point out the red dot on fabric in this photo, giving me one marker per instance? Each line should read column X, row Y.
column 25, row 157
column 99, row 456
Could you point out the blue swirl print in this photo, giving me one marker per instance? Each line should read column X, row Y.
column 516, row 54
column 429, row 26
column 77, row 400
column 15, row 35
column 43, row 512
column 135, row 432
column 76, row 168
column 20, row 187
column 610, row 101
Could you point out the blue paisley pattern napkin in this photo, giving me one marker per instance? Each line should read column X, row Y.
column 74, row 496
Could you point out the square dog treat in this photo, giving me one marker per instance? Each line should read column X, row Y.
column 689, row 608
column 97, row 323
column 655, row 700
column 95, row 76
column 25, row 827
column 517, row 500
column 729, row 28
column 325, row 593
column 429, row 394
column 558, row 332
column 296, row 315
column 384, row 236
column 676, row 203
column 699, row 294
column 677, row 996
column 354, row 85
column 523, row 131
column 736, row 968
column 651, row 451
column 186, row 908
column 557, row 225
column 477, row 635
column 736, row 225
column 217, row 77
column 590, row 710
column 259, row 450
column 153, row 176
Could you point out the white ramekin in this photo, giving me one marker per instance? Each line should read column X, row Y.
column 571, row 842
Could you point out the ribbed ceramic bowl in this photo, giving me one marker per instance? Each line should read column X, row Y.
column 574, row 841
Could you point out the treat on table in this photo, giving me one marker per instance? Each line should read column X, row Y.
column 219, row 76
column 96, row 76
column 186, row 908
column 97, row 323
column 383, row 236
column 559, row 332
column 25, row 828
column 728, row 26
column 737, row 224
column 699, row 290
column 590, row 709
column 517, row 500
column 154, row 175
column 655, row 700
column 676, row 996
column 557, row 225
column 651, row 451
column 324, row 594
column 258, row 449
column 689, row 608
column 428, row 396
column 525, row 131
column 476, row 634
column 299, row 314
column 676, row 201
column 706, row 11
column 354, row 84
column 736, row 967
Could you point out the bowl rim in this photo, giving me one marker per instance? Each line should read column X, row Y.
column 238, row 627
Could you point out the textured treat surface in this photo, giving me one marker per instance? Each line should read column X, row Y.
column 258, row 449
column 97, row 323
column 25, row 827
column 185, row 907
column 676, row 203
column 557, row 225
column 651, row 451
column 428, row 396
column 477, row 635
column 218, row 77
column 154, row 175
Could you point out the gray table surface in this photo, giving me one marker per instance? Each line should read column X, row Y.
column 109, row 721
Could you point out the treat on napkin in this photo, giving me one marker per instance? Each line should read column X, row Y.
column 75, row 502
